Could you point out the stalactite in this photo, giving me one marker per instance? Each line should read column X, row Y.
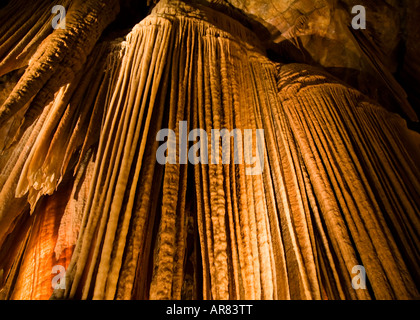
column 342, row 171
column 340, row 185
column 58, row 57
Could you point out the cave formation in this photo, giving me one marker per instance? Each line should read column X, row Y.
column 81, row 107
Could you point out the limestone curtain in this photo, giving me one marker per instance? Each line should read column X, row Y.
column 81, row 186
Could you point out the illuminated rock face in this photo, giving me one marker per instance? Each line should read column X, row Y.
column 81, row 187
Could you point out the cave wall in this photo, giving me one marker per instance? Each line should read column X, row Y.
column 80, row 186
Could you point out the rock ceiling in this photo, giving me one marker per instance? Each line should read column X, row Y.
column 81, row 109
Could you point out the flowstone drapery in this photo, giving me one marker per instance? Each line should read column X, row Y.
column 81, row 186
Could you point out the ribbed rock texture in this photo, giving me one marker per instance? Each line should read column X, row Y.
column 320, row 32
column 81, row 187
